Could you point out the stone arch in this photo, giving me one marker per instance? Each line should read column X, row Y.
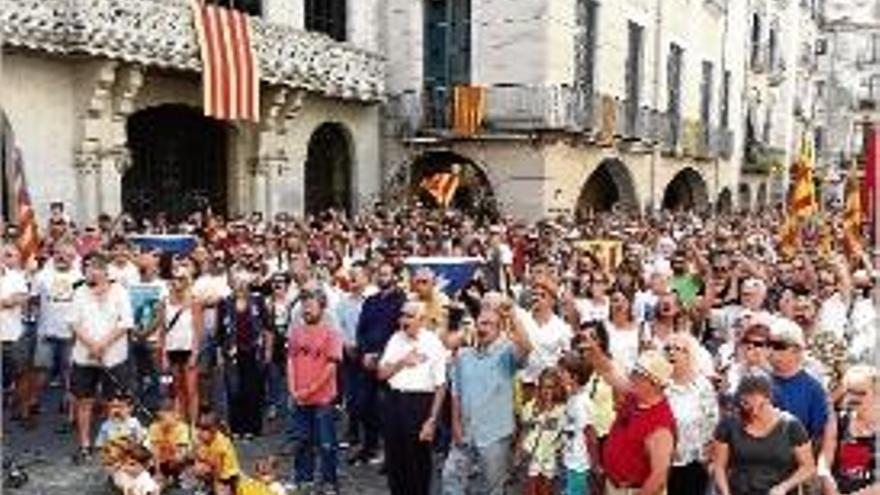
column 179, row 162
column 609, row 185
column 474, row 194
column 686, row 191
column 725, row 201
column 329, row 170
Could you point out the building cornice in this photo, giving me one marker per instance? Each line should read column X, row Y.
column 161, row 34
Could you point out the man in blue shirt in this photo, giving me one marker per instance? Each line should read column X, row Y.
column 378, row 320
column 794, row 389
column 482, row 404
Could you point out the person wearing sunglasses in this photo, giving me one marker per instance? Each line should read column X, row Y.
column 795, row 389
column 849, row 457
column 752, row 352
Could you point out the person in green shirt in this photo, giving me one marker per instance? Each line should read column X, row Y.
column 684, row 283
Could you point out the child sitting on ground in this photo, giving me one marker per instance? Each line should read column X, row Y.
column 133, row 475
column 118, row 431
column 264, row 481
column 169, row 440
column 215, row 460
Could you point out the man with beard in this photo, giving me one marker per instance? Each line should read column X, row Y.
column 314, row 351
column 378, row 321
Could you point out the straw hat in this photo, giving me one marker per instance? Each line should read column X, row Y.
column 653, row 365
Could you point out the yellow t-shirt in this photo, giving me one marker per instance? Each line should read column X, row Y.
column 221, row 456
column 168, row 441
column 251, row 486
column 601, row 404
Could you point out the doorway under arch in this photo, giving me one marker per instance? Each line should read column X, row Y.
column 178, row 162
column 474, row 194
column 686, row 191
column 609, row 185
column 725, row 201
column 329, row 172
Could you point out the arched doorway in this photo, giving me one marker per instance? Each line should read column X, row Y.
column 725, row 201
column 329, row 170
column 179, row 162
column 686, row 191
column 474, row 194
column 609, row 185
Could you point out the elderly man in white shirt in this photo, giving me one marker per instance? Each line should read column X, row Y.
column 102, row 319
column 414, row 365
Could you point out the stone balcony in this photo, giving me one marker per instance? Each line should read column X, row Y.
column 160, row 33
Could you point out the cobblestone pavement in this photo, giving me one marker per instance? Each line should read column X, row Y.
column 46, row 456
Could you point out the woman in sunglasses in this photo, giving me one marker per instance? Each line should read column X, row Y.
column 752, row 353
column 848, row 464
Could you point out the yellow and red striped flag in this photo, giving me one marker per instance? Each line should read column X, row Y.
column 28, row 238
column 803, row 198
column 441, row 186
column 230, row 68
column 853, row 215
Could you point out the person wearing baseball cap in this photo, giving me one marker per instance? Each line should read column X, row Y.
column 794, row 389
column 637, row 453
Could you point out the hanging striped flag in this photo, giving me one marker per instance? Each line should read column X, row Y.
column 441, row 186
column 28, row 238
column 230, row 70
column 852, row 215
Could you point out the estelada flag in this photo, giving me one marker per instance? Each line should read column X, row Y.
column 441, row 186
column 803, row 199
column 230, row 68
column 28, row 241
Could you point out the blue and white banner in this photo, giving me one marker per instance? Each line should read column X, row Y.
column 452, row 273
column 169, row 243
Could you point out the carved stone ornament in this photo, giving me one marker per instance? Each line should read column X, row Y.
column 160, row 33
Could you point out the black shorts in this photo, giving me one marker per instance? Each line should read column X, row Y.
column 178, row 358
column 86, row 380
column 18, row 354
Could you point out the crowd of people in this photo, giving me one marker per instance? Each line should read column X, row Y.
column 690, row 357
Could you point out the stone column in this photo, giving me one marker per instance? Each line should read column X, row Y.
column 260, row 187
column 87, row 167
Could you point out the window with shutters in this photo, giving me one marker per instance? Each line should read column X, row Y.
column 447, row 53
column 585, row 45
column 674, row 64
column 725, row 100
column 633, row 74
column 328, row 17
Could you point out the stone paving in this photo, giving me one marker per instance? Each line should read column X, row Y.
column 46, row 456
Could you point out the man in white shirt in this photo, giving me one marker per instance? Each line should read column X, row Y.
column 414, row 365
column 55, row 284
column 13, row 338
column 102, row 318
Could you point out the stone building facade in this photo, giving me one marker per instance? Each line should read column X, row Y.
column 104, row 100
column 588, row 103
column 781, row 61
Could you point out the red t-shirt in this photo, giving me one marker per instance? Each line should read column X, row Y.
column 624, row 457
column 310, row 350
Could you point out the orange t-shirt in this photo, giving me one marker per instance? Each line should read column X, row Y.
column 310, row 349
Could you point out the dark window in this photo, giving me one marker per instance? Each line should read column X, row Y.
column 326, row 16
column 706, row 98
column 447, row 54
column 725, row 100
column 673, row 83
column 756, row 39
column 586, row 44
column 772, row 49
column 633, row 73
column 252, row 7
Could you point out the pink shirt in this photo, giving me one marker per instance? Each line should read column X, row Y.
column 309, row 351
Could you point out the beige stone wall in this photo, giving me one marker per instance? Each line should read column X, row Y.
column 402, row 44
column 38, row 98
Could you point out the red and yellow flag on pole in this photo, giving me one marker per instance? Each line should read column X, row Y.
column 441, row 186
column 853, row 215
column 801, row 205
column 28, row 241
